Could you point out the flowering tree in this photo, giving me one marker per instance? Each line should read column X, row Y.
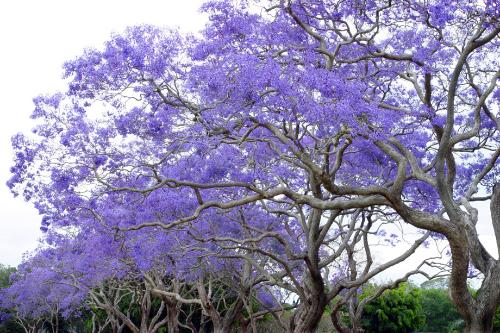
column 35, row 297
column 139, row 280
column 309, row 110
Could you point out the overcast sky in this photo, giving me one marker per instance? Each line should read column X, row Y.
column 36, row 37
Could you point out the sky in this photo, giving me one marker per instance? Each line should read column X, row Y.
column 36, row 38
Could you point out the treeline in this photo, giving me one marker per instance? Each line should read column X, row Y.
column 405, row 308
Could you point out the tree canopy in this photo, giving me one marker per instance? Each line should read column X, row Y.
column 272, row 147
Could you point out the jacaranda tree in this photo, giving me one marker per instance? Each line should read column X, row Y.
column 306, row 111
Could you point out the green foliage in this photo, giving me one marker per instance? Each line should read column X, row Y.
column 438, row 309
column 87, row 319
column 5, row 273
column 10, row 326
column 434, row 311
column 496, row 321
column 456, row 326
column 398, row 310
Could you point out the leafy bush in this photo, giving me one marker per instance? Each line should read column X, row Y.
column 438, row 309
column 398, row 310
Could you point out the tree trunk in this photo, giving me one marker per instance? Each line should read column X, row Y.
column 244, row 324
column 308, row 316
column 310, row 310
column 337, row 323
column 356, row 328
column 172, row 314
column 477, row 312
column 231, row 316
column 221, row 324
column 482, row 313
column 222, row 329
column 479, row 325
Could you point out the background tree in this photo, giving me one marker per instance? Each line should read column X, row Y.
column 397, row 310
column 438, row 310
column 8, row 323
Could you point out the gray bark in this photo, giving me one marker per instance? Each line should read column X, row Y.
column 172, row 314
column 478, row 312
column 312, row 304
